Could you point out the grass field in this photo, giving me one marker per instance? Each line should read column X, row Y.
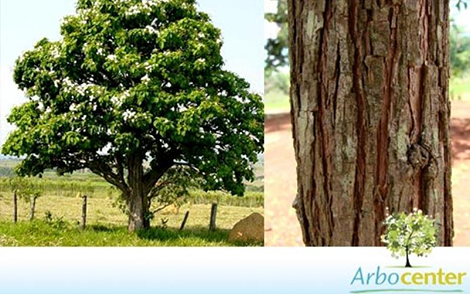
column 276, row 102
column 460, row 88
column 107, row 224
column 57, row 233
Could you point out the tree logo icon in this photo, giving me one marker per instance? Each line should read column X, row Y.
column 407, row 234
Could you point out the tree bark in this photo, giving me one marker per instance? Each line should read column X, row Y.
column 138, row 203
column 370, row 113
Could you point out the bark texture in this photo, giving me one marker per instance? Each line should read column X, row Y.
column 370, row 114
column 138, row 203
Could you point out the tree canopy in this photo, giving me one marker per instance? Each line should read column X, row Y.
column 459, row 51
column 133, row 88
column 277, row 47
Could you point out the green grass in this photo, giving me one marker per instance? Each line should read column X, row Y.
column 460, row 88
column 107, row 224
column 59, row 233
column 276, row 102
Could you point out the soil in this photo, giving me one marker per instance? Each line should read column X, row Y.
column 281, row 226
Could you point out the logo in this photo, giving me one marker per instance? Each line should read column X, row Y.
column 405, row 235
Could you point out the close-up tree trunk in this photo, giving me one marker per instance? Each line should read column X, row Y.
column 370, row 111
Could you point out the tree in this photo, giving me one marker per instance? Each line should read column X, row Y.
column 277, row 55
column 407, row 234
column 134, row 88
column 459, row 51
column 171, row 188
column 370, row 112
column 30, row 190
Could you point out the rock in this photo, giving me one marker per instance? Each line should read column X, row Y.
column 250, row 228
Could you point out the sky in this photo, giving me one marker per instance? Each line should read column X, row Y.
column 24, row 22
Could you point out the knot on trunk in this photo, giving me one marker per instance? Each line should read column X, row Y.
column 418, row 156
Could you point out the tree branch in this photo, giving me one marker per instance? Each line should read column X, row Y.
column 102, row 169
column 152, row 177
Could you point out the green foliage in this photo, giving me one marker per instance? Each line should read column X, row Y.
column 277, row 47
column 135, row 81
column 459, row 51
column 412, row 233
column 64, row 187
column 61, row 186
column 25, row 188
column 460, row 4
column 277, row 92
column 173, row 186
column 278, row 81
column 30, row 189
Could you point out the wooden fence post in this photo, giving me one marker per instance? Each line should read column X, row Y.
column 84, row 206
column 15, row 207
column 213, row 217
column 186, row 215
column 33, row 208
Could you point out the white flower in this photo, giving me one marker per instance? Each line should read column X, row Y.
column 116, row 101
column 55, row 53
column 149, row 3
column 128, row 114
column 133, row 10
column 145, row 79
column 151, row 30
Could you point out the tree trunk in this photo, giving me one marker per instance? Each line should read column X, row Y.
column 408, row 264
column 370, row 113
column 137, row 198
